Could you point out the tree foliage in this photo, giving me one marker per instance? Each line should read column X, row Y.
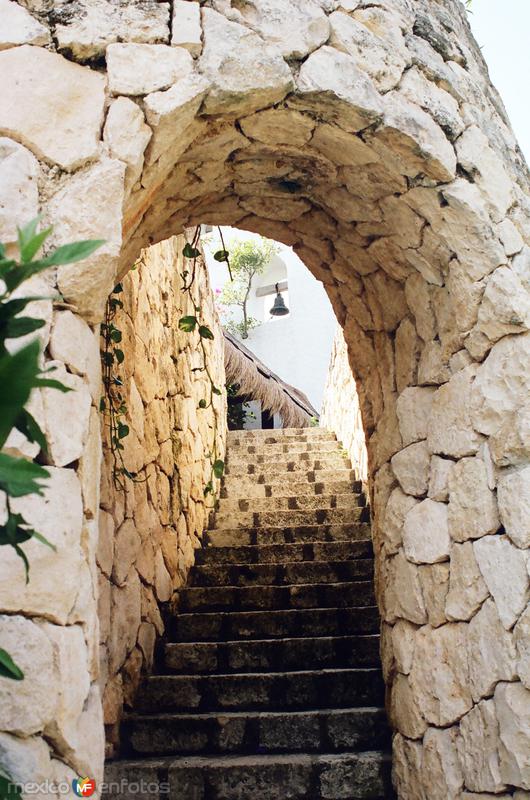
column 247, row 259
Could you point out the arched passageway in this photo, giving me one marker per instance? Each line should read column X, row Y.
column 366, row 135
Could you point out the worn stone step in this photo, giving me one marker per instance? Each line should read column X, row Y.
column 278, row 449
column 291, row 518
column 278, row 435
column 288, row 535
column 299, row 622
column 326, row 730
column 339, row 688
column 348, row 776
column 302, row 482
column 289, row 503
column 284, row 553
column 275, row 655
column 280, row 574
column 302, row 490
column 260, row 598
column 301, row 462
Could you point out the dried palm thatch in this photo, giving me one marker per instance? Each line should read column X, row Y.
column 259, row 383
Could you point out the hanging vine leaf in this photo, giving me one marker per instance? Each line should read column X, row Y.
column 202, row 404
column 123, row 430
column 187, row 324
column 190, row 252
column 119, row 355
column 221, row 255
column 205, row 332
column 218, row 468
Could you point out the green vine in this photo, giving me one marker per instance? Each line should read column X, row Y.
column 192, row 324
column 112, row 405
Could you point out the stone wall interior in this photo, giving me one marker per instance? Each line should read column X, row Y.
column 367, row 135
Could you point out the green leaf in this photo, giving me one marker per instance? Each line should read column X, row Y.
column 102, row 404
column 208, row 489
column 51, row 383
column 33, row 245
column 116, row 335
column 215, row 390
column 18, row 372
column 108, row 359
column 70, row 253
column 202, row 403
column 26, row 234
column 218, row 468
column 8, row 668
column 28, row 426
column 123, row 430
column 20, row 326
column 187, row 324
column 205, row 332
column 19, row 477
column 190, row 252
column 119, row 355
column 118, row 288
column 221, row 255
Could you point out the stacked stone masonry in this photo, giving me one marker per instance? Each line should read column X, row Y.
column 368, row 136
column 149, row 532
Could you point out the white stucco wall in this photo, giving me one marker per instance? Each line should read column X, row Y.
column 297, row 347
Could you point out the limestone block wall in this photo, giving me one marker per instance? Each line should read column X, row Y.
column 341, row 411
column 148, row 533
column 372, row 141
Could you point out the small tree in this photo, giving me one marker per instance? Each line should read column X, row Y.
column 247, row 259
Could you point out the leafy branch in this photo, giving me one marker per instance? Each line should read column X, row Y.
column 20, row 374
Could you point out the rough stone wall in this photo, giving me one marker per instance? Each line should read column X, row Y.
column 367, row 135
column 341, row 412
column 149, row 532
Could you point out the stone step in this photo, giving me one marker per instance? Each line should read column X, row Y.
column 302, row 490
column 282, row 448
column 326, row 730
column 260, row 598
column 298, row 622
column 341, row 688
column 302, row 481
column 284, row 553
column 290, row 503
column 301, row 462
column 287, row 535
column 265, row 777
column 273, row 655
column 259, row 437
column 281, row 574
column 291, row 518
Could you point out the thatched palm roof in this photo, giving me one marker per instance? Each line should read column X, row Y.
column 258, row 382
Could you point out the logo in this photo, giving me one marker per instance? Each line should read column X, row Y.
column 84, row 787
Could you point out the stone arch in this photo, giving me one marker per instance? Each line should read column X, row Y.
column 366, row 135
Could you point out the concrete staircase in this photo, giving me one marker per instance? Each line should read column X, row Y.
column 268, row 684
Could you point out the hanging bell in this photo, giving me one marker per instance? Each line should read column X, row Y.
column 279, row 308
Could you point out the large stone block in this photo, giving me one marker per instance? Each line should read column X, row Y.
column 331, row 82
column 18, row 26
column 127, row 136
column 411, row 468
column 522, row 642
column 513, row 492
column 504, row 568
column 57, row 515
column 413, row 409
column 397, row 508
column 512, row 704
column 52, row 106
column 308, row 24
column 89, row 206
column 440, row 675
column 478, row 746
column 95, row 24
column 473, row 508
column 30, row 704
column 19, row 194
column 426, row 534
column 492, row 654
column 66, row 417
column 245, row 72
column 442, row 776
column 451, row 429
column 137, row 69
column 467, row 589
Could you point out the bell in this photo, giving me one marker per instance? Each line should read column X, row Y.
column 279, row 308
